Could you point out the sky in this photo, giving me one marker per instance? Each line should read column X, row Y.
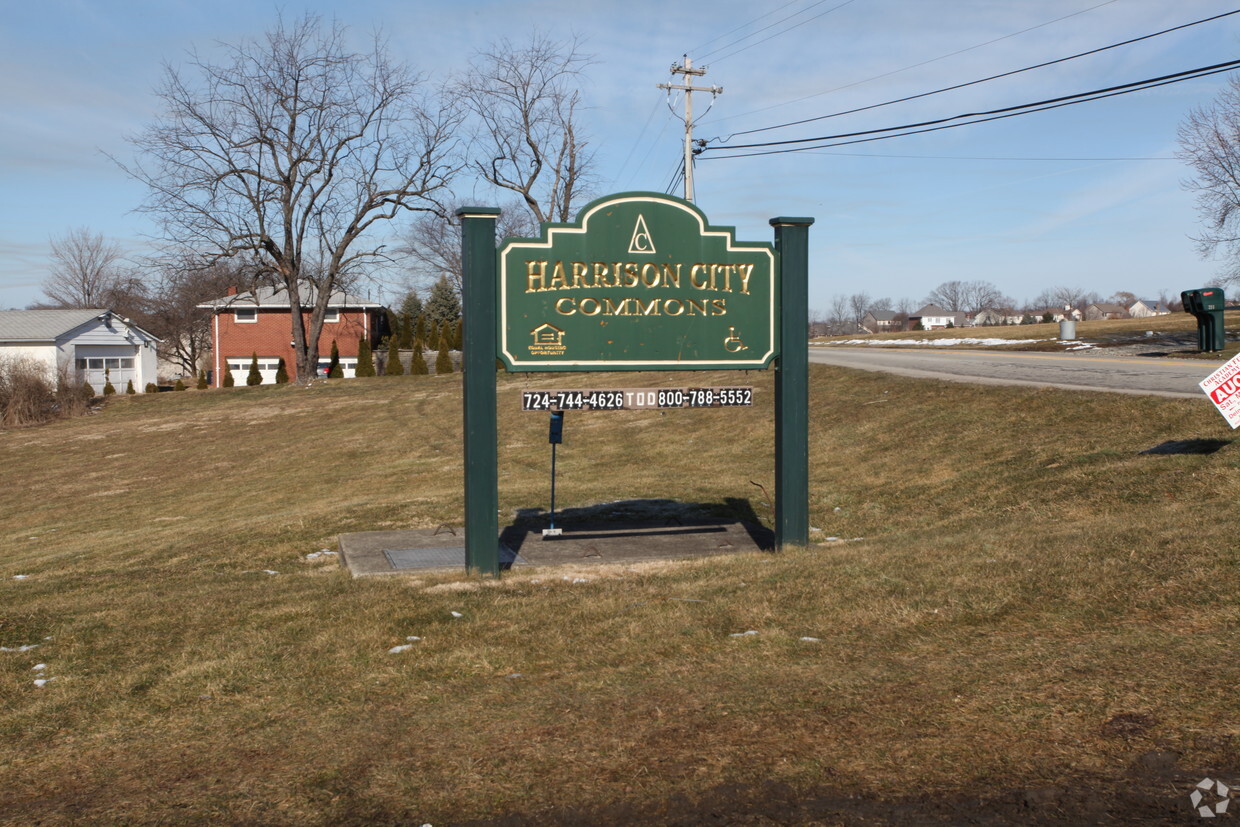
column 1087, row 196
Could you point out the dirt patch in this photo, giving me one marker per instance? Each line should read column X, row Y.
column 1156, row 792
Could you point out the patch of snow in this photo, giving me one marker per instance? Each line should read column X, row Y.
column 514, row 675
column 21, row 576
column 413, row 637
column 42, row 682
column 269, row 571
column 811, row 640
column 314, row 555
column 743, row 634
column 396, row 650
column 26, row 648
column 457, row 614
column 38, row 667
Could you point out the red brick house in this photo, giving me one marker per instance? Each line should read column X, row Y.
column 259, row 322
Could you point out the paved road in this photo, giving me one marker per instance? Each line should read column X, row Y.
column 1096, row 372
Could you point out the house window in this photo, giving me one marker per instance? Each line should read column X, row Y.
column 331, row 316
column 245, row 314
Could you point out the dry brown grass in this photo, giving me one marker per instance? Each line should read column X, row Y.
column 1025, row 576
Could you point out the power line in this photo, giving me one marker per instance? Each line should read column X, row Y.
column 986, row 79
column 702, row 46
column 924, row 62
column 980, row 117
column 777, row 34
column 976, row 157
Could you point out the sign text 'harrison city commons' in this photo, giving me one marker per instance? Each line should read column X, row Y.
column 639, row 282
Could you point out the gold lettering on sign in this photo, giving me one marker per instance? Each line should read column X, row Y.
column 634, row 306
column 547, row 276
column 535, row 270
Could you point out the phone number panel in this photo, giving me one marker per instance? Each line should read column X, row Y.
column 634, row 399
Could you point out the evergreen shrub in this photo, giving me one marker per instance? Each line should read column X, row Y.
column 393, row 366
column 255, row 376
column 443, row 362
column 365, row 361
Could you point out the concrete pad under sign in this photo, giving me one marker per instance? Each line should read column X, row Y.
column 371, row 553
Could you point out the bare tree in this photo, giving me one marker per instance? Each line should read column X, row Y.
column 837, row 315
column 86, row 271
column 950, row 295
column 172, row 312
column 433, row 242
column 1210, row 144
column 980, row 295
column 525, row 106
column 858, row 306
column 965, row 296
column 287, row 153
column 1070, row 297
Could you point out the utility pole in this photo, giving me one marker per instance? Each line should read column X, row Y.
column 688, row 88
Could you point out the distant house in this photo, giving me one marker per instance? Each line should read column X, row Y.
column 933, row 317
column 93, row 345
column 880, row 321
column 992, row 316
column 1058, row 314
column 1144, row 308
column 260, row 323
column 1105, row 310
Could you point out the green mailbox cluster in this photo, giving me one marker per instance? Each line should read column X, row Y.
column 1207, row 305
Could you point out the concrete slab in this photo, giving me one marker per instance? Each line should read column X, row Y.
column 372, row 553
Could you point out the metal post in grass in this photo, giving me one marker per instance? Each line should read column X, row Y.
column 478, row 290
column 792, row 383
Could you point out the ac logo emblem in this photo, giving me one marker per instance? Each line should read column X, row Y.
column 641, row 242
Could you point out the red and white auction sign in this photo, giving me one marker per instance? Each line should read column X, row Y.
column 1223, row 388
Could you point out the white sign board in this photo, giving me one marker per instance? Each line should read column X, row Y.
column 1223, row 388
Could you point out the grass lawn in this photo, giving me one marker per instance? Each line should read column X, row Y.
column 1022, row 600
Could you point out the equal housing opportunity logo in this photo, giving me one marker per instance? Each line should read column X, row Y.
column 1211, row 798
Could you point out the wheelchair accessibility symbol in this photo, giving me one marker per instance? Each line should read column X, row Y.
column 732, row 343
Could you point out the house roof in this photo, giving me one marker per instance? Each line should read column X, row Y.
column 44, row 325
column 882, row 315
column 932, row 310
column 50, row 325
column 277, row 297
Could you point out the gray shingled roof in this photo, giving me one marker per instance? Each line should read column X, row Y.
column 42, row 325
column 278, row 297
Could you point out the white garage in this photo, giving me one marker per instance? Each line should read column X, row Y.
column 93, row 345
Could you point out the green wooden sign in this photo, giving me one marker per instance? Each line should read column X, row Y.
column 640, row 281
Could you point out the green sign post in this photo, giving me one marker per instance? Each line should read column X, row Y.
column 641, row 281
